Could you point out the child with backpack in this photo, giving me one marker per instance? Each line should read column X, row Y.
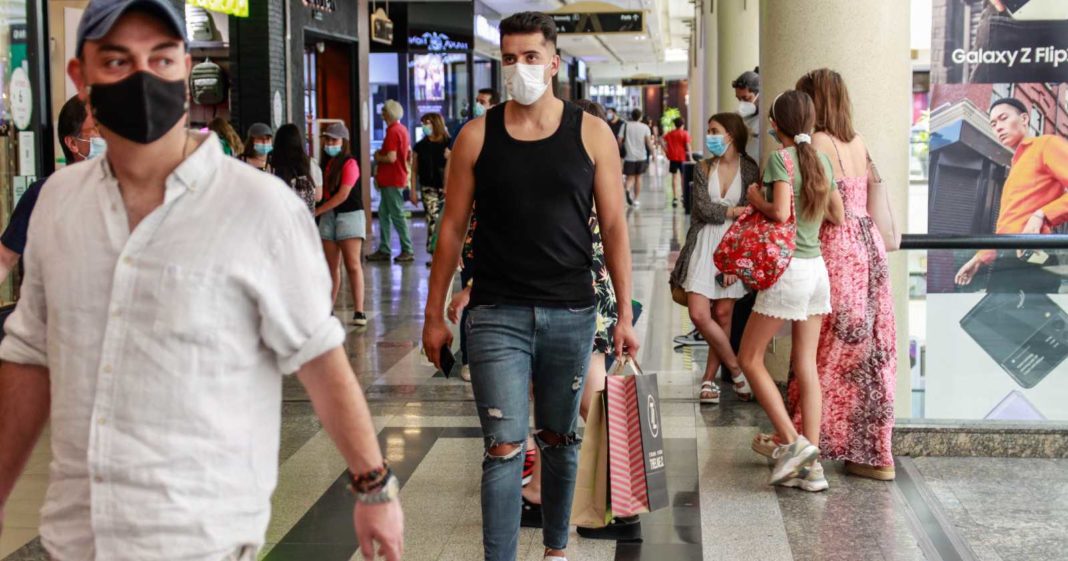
column 798, row 188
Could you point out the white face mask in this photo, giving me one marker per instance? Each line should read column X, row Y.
column 525, row 82
column 747, row 108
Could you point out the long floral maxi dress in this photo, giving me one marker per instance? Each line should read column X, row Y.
column 857, row 356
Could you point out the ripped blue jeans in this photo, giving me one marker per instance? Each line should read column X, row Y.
column 511, row 347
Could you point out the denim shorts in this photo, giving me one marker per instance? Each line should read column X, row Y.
column 335, row 227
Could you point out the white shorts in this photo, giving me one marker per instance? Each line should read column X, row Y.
column 803, row 291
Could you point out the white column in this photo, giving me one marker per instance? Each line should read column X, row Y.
column 867, row 41
column 739, row 45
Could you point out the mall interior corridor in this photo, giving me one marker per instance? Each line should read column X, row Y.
column 722, row 509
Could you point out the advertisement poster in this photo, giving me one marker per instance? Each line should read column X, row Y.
column 998, row 165
column 428, row 78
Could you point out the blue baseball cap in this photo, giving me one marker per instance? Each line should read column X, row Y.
column 100, row 16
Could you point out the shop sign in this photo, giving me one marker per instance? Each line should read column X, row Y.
column 27, row 154
column 631, row 22
column 21, row 96
column 437, row 42
column 487, row 31
column 643, row 81
column 381, row 27
column 237, row 8
column 326, row 6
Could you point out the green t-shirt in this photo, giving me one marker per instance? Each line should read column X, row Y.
column 808, row 231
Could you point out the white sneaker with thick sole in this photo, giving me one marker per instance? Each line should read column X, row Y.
column 792, row 460
column 814, row 482
column 691, row 339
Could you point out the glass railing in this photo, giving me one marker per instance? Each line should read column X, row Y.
column 988, row 342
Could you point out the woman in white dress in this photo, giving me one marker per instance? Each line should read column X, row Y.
column 719, row 189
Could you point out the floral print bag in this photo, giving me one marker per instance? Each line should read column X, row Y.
column 756, row 249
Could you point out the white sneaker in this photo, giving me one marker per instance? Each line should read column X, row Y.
column 465, row 373
column 814, row 482
column 691, row 339
column 637, row 204
column 792, row 460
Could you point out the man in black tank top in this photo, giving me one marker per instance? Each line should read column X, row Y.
column 536, row 166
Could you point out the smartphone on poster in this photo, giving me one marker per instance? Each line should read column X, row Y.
column 1025, row 333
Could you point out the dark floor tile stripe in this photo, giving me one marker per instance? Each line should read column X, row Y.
column 325, row 532
column 939, row 538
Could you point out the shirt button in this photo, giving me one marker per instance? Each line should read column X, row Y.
column 128, row 260
column 98, row 479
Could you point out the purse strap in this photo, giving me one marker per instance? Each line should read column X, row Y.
column 788, row 162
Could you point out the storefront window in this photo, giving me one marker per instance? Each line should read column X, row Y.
column 17, row 167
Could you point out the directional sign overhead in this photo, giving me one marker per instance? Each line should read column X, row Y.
column 600, row 22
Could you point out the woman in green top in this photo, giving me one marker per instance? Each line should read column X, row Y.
column 798, row 181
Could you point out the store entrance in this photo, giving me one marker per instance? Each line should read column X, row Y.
column 330, row 87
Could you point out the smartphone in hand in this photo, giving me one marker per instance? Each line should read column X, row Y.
column 448, row 360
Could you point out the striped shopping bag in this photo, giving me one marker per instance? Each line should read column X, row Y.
column 636, row 472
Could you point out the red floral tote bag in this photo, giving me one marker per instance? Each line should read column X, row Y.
column 756, row 249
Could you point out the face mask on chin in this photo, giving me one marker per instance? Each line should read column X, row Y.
column 526, row 82
column 141, row 107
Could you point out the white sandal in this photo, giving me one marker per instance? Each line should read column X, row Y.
column 710, row 387
column 741, row 387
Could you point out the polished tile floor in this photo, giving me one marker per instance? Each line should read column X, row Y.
column 721, row 506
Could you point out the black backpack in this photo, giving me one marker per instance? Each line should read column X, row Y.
column 207, row 82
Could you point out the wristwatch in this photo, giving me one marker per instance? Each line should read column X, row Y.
column 386, row 493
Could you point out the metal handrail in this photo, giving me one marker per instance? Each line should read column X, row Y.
column 1002, row 241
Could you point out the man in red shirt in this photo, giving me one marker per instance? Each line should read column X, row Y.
column 678, row 151
column 391, row 179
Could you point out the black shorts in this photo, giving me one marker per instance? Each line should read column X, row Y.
column 674, row 167
column 635, row 168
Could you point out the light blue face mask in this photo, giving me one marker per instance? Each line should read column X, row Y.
column 332, row 151
column 716, row 144
column 428, row 130
column 479, row 110
column 263, row 149
column 97, row 145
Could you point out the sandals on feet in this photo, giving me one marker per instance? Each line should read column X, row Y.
column 741, row 387
column 764, row 444
column 709, row 393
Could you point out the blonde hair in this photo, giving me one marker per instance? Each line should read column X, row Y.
column 395, row 110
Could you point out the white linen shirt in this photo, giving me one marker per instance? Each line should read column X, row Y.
column 166, row 348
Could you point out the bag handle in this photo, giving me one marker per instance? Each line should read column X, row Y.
column 789, row 163
column 621, row 364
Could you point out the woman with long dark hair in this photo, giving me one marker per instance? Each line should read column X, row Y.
column 858, row 341
column 258, row 147
column 719, row 197
column 430, row 155
column 342, row 221
column 799, row 183
column 292, row 165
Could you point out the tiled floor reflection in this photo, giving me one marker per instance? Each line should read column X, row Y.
column 721, row 506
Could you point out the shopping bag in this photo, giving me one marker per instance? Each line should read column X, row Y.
column 590, row 508
column 637, row 474
column 756, row 249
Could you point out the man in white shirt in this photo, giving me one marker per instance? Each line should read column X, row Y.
column 636, row 139
column 155, row 324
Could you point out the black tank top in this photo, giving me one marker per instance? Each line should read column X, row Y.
column 533, row 244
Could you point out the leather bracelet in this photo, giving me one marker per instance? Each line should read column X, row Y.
column 371, row 480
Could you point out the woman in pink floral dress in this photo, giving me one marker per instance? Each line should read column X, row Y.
column 857, row 359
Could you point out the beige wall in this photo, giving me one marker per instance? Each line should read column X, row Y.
column 739, row 45
column 867, row 41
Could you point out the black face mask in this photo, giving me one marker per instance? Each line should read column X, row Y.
column 140, row 108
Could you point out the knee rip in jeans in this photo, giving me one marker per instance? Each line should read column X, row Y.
column 505, row 452
column 550, row 439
